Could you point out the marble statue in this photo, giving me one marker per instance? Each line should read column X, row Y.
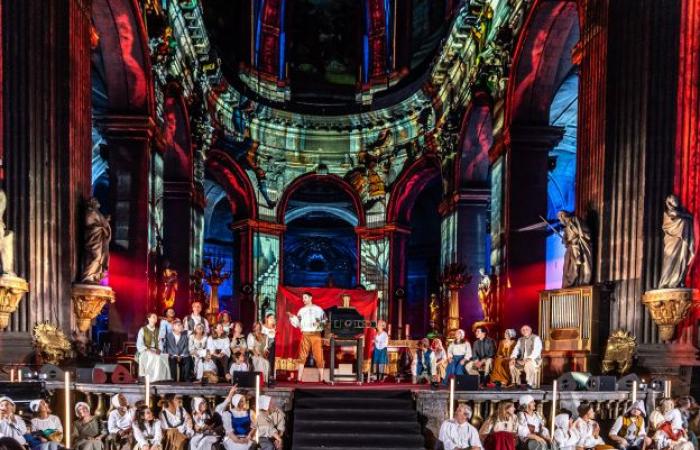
column 7, row 241
column 97, row 235
column 484, row 291
column 679, row 244
column 578, row 258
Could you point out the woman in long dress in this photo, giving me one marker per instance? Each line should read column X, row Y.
column 237, row 423
column 148, row 351
column 458, row 353
column 198, row 349
column 88, row 432
column 440, row 359
column 500, row 375
column 205, row 436
column 499, row 431
column 257, row 345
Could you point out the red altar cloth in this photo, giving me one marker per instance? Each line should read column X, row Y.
column 289, row 300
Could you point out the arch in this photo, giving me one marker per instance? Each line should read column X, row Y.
column 476, row 134
column 541, row 61
column 331, row 179
column 123, row 60
column 408, row 186
column 178, row 158
column 228, row 173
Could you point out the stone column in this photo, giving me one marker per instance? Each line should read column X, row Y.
column 398, row 277
column 243, row 277
column 47, row 154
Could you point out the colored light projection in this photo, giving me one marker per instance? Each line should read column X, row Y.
column 266, row 254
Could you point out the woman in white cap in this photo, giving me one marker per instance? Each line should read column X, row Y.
column 176, row 424
column 670, row 434
column 564, row 437
column 629, row 431
column 45, row 425
column 588, row 429
column 87, row 433
column 120, row 423
column 532, row 432
column 11, row 425
column 458, row 353
column 237, row 423
column 147, row 430
column 205, row 436
column 270, row 424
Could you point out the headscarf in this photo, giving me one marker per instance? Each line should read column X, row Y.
column 638, row 405
column 561, row 421
column 526, row 399
column 459, row 334
column 236, row 400
column 511, row 333
column 196, row 401
column 115, row 401
column 34, row 406
column 264, row 402
column 7, row 399
column 79, row 404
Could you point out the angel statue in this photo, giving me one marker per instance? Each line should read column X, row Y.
column 679, row 244
column 7, row 241
column 97, row 234
column 578, row 258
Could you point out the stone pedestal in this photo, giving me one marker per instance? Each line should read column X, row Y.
column 88, row 301
column 668, row 307
column 12, row 289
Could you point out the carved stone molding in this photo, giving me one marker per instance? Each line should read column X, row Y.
column 88, row 301
column 668, row 307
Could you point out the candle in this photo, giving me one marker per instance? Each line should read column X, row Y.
column 19, row 375
column 148, row 390
column 388, row 330
column 452, row 398
column 12, row 375
column 407, row 331
column 257, row 403
column 68, row 409
column 667, row 388
column 554, row 403
column 634, row 391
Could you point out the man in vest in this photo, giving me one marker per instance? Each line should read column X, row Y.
column 196, row 318
column 628, row 432
column 176, row 346
column 424, row 368
column 526, row 357
column 310, row 319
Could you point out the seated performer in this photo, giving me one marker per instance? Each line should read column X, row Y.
column 628, row 432
column 270, row 424
column 257, row 346
column 195, row 318
column 148, row 352
column 310, row 319
column 219, row 347
column 238, row 425
column 88, row 432
column 565, row 436
column 175, row 423
column 176, row 346
column 532, row 432
column 119, row 423
column 224, row 318
column 670, row 434
column 46, row 427
column 238, row 340
column 499, row 431
column 440, row 359
column 588, row 429
column 240, row 364
column 500, row 374
column 166, row 324
column 458, row 353
column 483, row 351
column 423, row 366
column 147, row 430
column 205, row 435
column 11, row 425
column 526, row 356
column 458, row 433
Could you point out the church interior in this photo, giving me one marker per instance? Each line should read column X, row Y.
column 349, row 224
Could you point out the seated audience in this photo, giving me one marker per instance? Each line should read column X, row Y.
column 498, row 432
column 205, row 435
column 483, row 352
column 458, row 433
column 500, row 374
column 237, row 422
column 629, row 432
column 565, row 436
column 176, row 347
column 270, row 424
column 532, row 432
column 423, row 366
column 120, row 423
column 88, row 432
column 11, row 425
column 148, row 352
column 458, row 353
column 257, row 346
column 46, row 427
column 587, row 429
column 526, row 357
column 175, row 423
column 219, row 347
column 147, row 430
column 195, row 317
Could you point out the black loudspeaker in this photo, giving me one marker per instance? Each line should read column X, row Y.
column 602, row 384
column 466, row 382
column 246, row 379
column 52, row 372
column 573, row 381
column 625, row 383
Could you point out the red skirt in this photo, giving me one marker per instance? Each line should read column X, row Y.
column 500, row 440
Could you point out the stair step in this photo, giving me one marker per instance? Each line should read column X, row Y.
column 383, row 447
column 358, row 439
column 356, row 414
column 301, row 425
column 372, row 395
column 353, row 403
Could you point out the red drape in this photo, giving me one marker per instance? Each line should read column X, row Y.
column 289, row 300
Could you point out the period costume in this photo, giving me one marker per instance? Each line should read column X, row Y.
column 528, row 358
column 310, row 320
column 176, row 428
column 49, row 428
column 151, row 435
column 237, row 422
column 151, row 363
column 13, row 427
column 423, row 366
column 587, row 438
column 192, row 321
column 257, row 346
column 500, row 434
column 380, row 356
column 631, row 428
column 269, row 423
column 204, row 437
column 119, row 426
column 176, row 346
column 198, row 351
column 440, row 363
column 501, row 364
column 531, row 423
column 221, row 347
column 457, row 352
column 88, row 435
column 454, row 435
column 483, row 350
column 564, row 438
column 270, row 333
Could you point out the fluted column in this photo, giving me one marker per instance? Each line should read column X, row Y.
column 47, row 152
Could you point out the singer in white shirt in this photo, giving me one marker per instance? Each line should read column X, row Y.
column 310, row 320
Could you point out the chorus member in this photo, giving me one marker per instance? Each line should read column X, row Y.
column 195, row 317
column 526, row 357
column 380, row 356
column 205, row 436
column 483, row 352
column 239, row 365
column 689, row 411
column 11, row 425
column 500, row 375
column 670, row 434
column 147, row 430
column 458, row 353
column 532, row 432
column 310, row 319
column 257, row 346
column 238, row 425
column 269, row 329
column 226, row 404
column 46, row 426
column 197, row 345
column 588, row 429
column 440, row 359
column 151, row 361
column 458, row 433
column 219, row 347
column 499, row 431
column 270, row 424
column 629, row 431
column 239, row 342
column 88, row 432
column 120, row 423
column 175, row 423
column 423, row 366
column 177, row 348
column 224, row 318
column 166, row 324
column 565, row 436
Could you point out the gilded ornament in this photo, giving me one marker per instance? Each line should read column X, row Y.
column 619, row 351
column 88, row 301
column 51, row 343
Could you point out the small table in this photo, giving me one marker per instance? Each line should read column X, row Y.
column 345, row 342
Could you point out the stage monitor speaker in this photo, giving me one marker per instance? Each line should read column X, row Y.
column 625, row 383
column 466, row 382
column 51, row 372
column 92, row 375
column 657, row 384
column 602, row 383
column 246, row 379
column 23, row 392
column 573, row 381
column 121, row 375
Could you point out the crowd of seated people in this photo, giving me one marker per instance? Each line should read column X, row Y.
column 673, row 425
column 191, row 348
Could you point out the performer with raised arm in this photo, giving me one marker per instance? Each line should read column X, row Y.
column 310, row 319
